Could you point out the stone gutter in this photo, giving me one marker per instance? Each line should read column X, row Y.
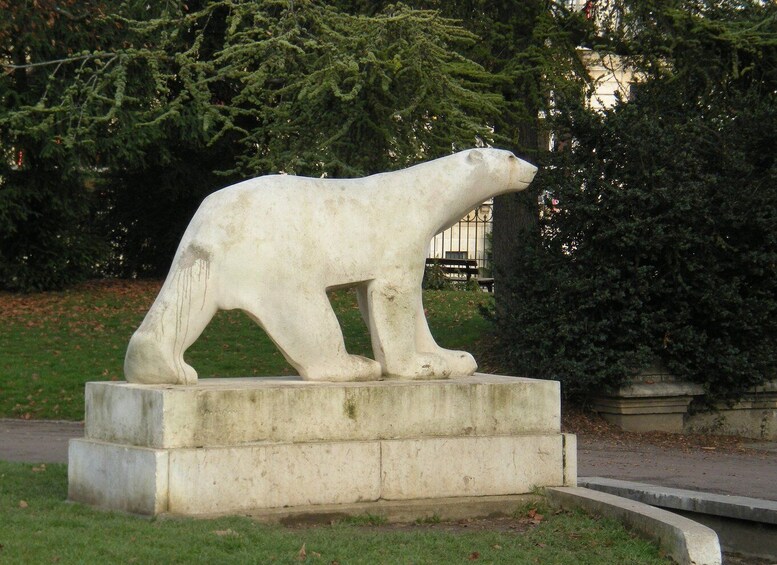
column 744, row 525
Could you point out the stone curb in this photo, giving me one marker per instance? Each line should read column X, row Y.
column 684, row 540
column 739, row 507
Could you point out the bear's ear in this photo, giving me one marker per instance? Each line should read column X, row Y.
column 475, row 156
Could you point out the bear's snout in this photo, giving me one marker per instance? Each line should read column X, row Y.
column 521, row 173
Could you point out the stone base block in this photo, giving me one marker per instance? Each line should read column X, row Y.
column 666, row 406
column 225, row 480
column 127, row 478
column 363, row 442
column 754, row 416
column 217, row 412
column 648, row 407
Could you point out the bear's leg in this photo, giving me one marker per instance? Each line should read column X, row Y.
column 173, row 323
column 304, row 327
column 460, row 363
column 401, row 339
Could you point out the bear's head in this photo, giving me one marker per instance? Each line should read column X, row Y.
column 505, row 172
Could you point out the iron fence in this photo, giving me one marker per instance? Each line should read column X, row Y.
column 469, row 238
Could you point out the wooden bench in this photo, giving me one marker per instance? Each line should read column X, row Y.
column 461, row 270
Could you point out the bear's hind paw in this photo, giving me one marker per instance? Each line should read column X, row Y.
column 352, row 368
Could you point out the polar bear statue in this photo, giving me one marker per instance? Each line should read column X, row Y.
column 272, row 246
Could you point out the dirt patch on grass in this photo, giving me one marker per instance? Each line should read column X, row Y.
column 502, row 524
column 520, row 522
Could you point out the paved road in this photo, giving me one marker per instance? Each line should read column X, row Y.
column 751, row 473
column 37, row 441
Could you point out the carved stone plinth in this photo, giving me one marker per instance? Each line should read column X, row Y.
column 225, row 446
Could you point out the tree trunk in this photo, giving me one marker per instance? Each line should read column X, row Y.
column 516, row 215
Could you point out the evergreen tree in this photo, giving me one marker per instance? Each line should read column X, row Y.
column 48, row 202
column 157, row 99
column 529, row 51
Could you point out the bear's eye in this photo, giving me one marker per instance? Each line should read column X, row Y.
column 512, row 157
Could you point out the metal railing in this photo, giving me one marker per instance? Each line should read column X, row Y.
column 467, row 239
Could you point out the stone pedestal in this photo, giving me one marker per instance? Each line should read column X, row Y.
column 227, row 446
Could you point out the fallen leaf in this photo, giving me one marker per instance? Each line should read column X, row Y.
column 302, row 554
column 226, row 533
column 535, row 516
column 474, row 556
column 23, row 504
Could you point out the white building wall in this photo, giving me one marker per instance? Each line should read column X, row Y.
column 610, row 78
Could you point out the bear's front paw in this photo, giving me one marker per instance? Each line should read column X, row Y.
column 441, row 365
column 460, row 363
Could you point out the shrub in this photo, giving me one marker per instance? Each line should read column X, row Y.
column 664, row 248
column 435, row 278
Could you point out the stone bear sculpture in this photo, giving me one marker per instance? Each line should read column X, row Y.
column 272, row 246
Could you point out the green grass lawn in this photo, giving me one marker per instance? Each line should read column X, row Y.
column 37, row 525
column 52, row 343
